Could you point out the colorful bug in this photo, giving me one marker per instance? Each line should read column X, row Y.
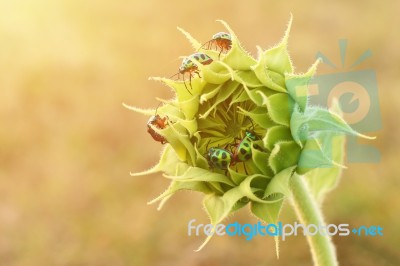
column 188, row 66
column 158, row 122
column 220, row 40
column 243, row 148
column 219, row 158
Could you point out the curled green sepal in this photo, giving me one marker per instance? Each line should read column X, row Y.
column 189, row 125
column 276, row 134
column 237, row 58
column 277, row 58
column 279, row 184
column 178, row 141
column 273, row 62
column 176, row 186
column 283, row 155
column 318, row 153
column 214, row 73
column 223, row 94
column 239, row 96
column 268, row 213
column 260, row 116
column 184, row 89
column 297, row 85
column 200, row 174
column 314, row 119
column 190, row 107
column 168, row 163
column 195, row 44
column 323, row 179
column 248, row 78
column 209, row 92
column 280, row 106
column 147, row 112
column 219, row 207
column 260, row 159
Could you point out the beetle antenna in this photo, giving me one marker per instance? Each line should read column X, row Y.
column 177, row 74
column 204, row 44
column 251, row 121
column 158, row 106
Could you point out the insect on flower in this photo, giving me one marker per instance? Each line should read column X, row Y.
column 243, row 148
column 265, row 161
column 188, row 66
column 158, row 122
column 219, row 158
column 221, row 40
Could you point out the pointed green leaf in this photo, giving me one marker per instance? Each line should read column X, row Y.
column 236, row 177
column 277, row 58
column 210, row 123
column 237, row 58
column 278, row 79
column 219, row 207
column 279, row 184
column 264, row 75
column 176, row 186
column 248, row 78
column 195, row 44
column 182, row 88
column 238, row 96
column 167, row 163
column 261, row 161
column 297, row 85
column 179, row 142
column 259, row 116
column 276, row 134
column 209, row 92
column 267, row 212
column 201, row 161
column 322, row 180
column 222, row 95
column 200, row 174
column 147, row 112
column 189, row 125
column 283, row 155
column 274, row 61
column 255, row 95
column 318, row 153
column 280, row 107
column 190, row 107
column 251, row 185
column 316, row 119
column 209, row 73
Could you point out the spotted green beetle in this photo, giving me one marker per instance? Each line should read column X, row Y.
column 219, row 158
column 188, row 66
column 243, row 148
column 220, row 40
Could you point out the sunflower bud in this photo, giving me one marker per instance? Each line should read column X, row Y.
column 239, row 128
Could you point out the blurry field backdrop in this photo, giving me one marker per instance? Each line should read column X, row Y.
column 67, row 145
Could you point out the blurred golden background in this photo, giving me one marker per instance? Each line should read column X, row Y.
column 67, row 145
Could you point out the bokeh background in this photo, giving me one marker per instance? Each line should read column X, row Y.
column 67, row 145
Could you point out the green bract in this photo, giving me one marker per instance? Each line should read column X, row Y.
column 236, row 93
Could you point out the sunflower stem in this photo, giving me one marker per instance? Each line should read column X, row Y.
column 308, row 212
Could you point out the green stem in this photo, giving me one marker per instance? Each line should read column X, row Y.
column 322, row 249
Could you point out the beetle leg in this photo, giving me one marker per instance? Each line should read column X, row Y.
column 245, row 170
